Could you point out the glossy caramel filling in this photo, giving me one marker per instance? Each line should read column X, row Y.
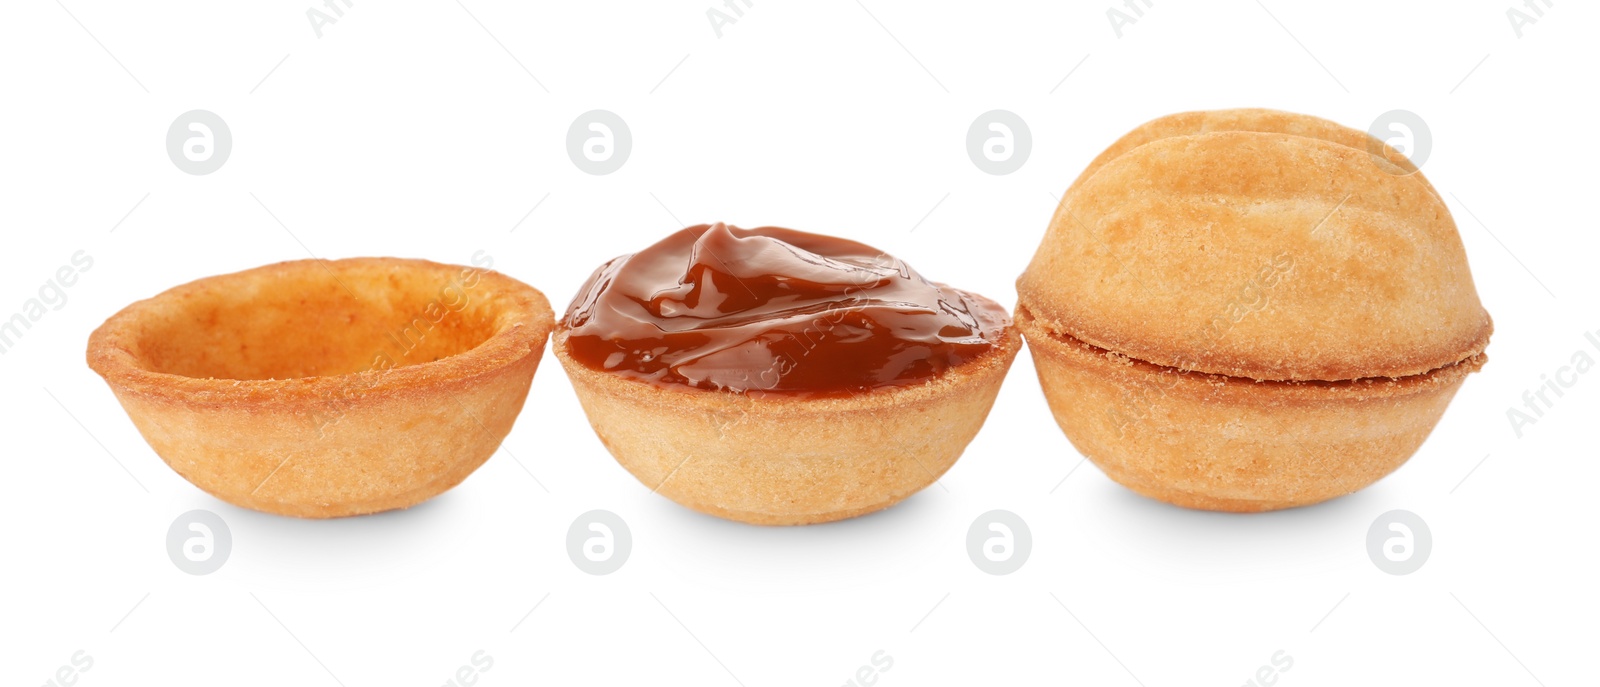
column 775, row 310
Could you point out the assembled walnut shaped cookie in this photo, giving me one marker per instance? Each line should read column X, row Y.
column 1248, row 310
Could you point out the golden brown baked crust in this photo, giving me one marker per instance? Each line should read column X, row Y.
column 778, row 459
column 327, row 388
column 1224, row 443
column 1247, row 310
column 1279, row 252
column 1251, row 119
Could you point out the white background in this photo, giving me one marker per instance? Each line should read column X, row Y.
column 409, row 129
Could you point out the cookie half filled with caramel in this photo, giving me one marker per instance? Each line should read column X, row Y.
column 1247, row 310
column 778, row 377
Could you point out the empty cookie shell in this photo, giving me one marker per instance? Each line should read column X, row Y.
column 321, row 388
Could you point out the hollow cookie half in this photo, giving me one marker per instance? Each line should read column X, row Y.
column 1249, row 310
column 327, row 388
